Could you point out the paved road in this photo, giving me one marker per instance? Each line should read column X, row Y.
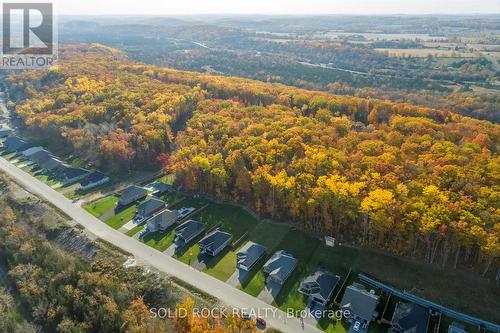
column 225, row 293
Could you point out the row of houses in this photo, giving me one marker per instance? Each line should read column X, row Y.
column 51, row 164
column 408, row 317
column 318, row 287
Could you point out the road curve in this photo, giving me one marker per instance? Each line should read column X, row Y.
column 216, row 288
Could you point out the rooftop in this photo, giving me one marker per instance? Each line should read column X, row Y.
column 322, row 283
column 214, row 240
column 280, row 265
column 410, row 318
column 93, row 178
column 359, row 301
column 132, row 193
column 250, row 253
column 189, row 229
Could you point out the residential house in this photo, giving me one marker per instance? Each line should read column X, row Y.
column 30, row 151
column 72, row 175
column 5, row 132
column 15, row 144
column 249, row 255
column 39, row 158
column 213, row 243
column 280, row 266
column 319, row 287
column 53, row 165
column 149, row 207
column 93, row 179
column 361, row 304
column 132, row 194
column 162, row 220
column 187, row 231
column 409, row 318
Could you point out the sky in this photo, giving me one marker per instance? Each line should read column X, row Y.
column 186, row 7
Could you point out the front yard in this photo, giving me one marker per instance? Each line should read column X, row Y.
column 102, row 206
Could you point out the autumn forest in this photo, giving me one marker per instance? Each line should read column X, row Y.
column 414, row 181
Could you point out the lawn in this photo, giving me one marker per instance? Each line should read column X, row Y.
column 232, row 219
column 224, row 268
column 256, row 284
column 303, row 248
column 120, row 219
column 160, row 240
column 101, row 206
column 269, row 235
column 132, row 232
column 334, row 326
column 172, row 198
column 191, row 202
column 190, row 254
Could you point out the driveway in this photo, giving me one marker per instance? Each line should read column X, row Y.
column 270, row 292
column 149, row 256
column 170, row 251
column 237, row 278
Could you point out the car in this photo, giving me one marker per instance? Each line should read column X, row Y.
column 261, row 323
column 356, row 326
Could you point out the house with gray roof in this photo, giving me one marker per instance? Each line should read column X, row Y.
column 409, row 318
column 361, row 304
column 53, row 165
column 132, row 194
column 249, row 255
column 40, row 157
column 186, row 232
column 30, row 151
column 213, row 243
column 162, row 220
column 15, row 144
column 280, row 266
column 70, row 175
column 5, row 132
column 319, row 287
column 149, row 207
column 93, row 180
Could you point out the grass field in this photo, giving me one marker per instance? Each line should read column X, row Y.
column 101, row 206
column 132, row 232
column 256, row 284
column 120, row 219
column 160, row 240
column 224, row 268
column 190, row 254
column 232, row 219
column 303, row 248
